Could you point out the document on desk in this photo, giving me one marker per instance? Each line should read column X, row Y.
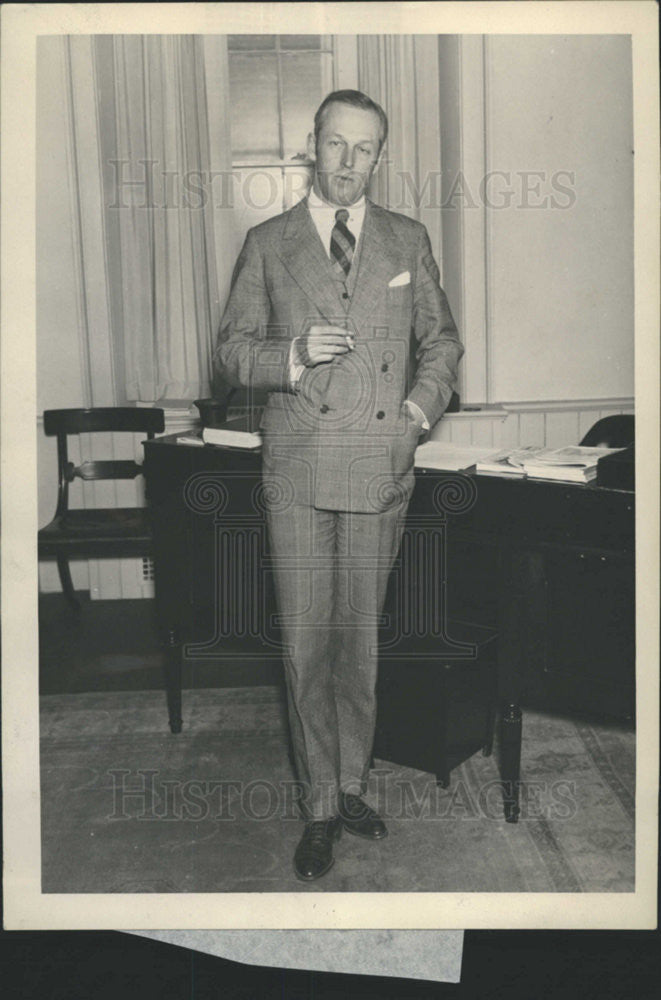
column 451, row 457
column 238, row 432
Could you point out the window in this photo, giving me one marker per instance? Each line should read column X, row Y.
column 277, row 82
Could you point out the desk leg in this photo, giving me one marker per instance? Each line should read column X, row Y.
column 517, row 588
column 172, row 672
column 510, row 763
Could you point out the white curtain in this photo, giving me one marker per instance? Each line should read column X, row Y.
column 160, row 124
column 401, row 72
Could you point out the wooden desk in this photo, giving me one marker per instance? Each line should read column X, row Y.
column 550, row 565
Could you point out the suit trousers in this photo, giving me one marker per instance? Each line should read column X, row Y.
column 331, row 570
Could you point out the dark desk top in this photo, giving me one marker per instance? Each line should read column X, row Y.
column 515, row 483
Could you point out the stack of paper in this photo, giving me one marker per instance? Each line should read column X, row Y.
column 507, row 462
column 451, row 457
column 573, row 464
column 236, row 433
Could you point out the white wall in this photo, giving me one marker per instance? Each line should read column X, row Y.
column 560, row 280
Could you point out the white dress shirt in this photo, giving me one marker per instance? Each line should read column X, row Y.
column 323, row 216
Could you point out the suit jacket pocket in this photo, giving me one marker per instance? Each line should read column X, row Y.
column 403, row 443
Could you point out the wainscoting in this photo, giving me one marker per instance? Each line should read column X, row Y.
column 551, row 423
column 548, row 423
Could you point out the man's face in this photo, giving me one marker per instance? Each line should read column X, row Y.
column 346, row 153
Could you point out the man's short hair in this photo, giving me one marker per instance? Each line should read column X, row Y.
column 355, row 99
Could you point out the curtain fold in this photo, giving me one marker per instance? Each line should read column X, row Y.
column 386, row 71
column 158, row 126
column 401, row 72
column 164, row 197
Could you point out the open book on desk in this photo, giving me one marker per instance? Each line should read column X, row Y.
column 508, row 462
column 571, row 464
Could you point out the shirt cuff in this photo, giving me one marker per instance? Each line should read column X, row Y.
column 295, row 370
column 417, row 414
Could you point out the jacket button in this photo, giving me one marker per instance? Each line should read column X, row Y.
column 345, row 295
column 324, row 408
column 380, row 415
column 384, row 367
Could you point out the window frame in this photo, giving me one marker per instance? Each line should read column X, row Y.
column 328, row 47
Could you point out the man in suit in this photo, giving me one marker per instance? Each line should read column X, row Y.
column 324, row 303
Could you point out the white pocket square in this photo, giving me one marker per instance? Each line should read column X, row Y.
column 401, row 279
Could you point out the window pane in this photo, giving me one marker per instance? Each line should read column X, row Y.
column 300, row 41
column 302, row 94
column 254, row 105
column 250, row 42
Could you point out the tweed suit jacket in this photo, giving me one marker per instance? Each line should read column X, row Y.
column 338, row 440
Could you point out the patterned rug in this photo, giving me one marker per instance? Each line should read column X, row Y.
column 128, row 807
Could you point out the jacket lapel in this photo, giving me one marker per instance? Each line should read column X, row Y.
column 302, row 253
column 377, row 264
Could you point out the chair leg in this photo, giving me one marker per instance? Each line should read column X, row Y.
column 67, row 582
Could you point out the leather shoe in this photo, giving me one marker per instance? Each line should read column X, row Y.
column 314, row 854
column 359, row 819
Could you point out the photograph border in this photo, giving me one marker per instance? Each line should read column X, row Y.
column 26, row 907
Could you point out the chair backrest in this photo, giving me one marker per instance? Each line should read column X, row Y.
column 104, row 418
column 617, row 431
column 60, row 423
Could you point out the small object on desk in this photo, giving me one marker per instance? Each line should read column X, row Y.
column 213, row 412
column 191, row 437
column 526, row 453
column 236, row 433
column 503, row 463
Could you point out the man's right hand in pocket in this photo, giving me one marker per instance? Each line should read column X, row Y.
column 321, row 344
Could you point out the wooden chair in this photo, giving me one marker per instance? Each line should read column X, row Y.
column 617, row 431
column 98, row 532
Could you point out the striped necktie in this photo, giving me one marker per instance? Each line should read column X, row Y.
column 342, row 244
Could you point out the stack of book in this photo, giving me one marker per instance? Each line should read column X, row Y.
column 238, row 432
column 571, row 464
